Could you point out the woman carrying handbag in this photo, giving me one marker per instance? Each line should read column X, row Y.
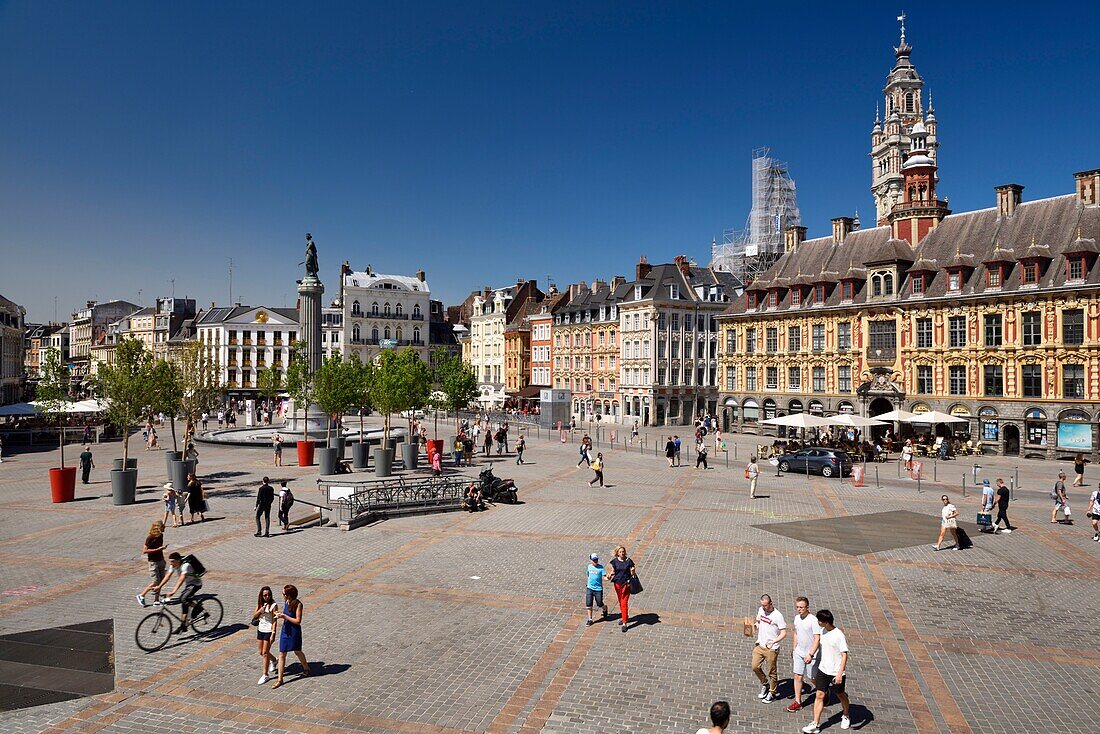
column 624, row 574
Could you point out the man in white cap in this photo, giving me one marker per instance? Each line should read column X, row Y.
column 593, row 593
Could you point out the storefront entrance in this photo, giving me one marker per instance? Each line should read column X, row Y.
column 1011, row 434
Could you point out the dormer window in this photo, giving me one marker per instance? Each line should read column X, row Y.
column 674, row 292
column 773, row 298
column 917, row 284
column 819, row 293
column 1075, row 267
column 1030, row 275
column 993, row 274
column 637, row 293
column 954, row 280
column 847, row 291
column 796, row 297
column 882, row 284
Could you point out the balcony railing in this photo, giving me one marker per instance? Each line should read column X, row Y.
column 417, row 317
column 881, row 356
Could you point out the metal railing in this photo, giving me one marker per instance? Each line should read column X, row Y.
column 397, row 495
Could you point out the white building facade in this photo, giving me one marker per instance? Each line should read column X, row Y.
column 242, row 340
column 490, row 316
column 384, row 312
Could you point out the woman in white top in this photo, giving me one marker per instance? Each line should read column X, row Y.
column 719, row 718
column 907, row 455
column 948, row 519
column 265, row 632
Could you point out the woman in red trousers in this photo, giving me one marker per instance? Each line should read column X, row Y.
column 622, row 568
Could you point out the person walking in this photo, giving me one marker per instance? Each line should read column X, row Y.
column 593, row 592
column 521, row 444
column 701, row 454
column 622, row 570
column 986, row 505
column 221, row 418
column 719, row 718
column 196, row 498
column 1092, row 512
column 265, row 496
column 1079, row 462
column 205, row 420
column 169, row 497
column 437, row 463
column 1002, row 497
column 86, row 464
column 771, row 630
column 831, row 673
column 807, row 645
column 277, row 448
column 676, row 446
column 290, row 637
column 286, row 501
column 266, row 624
column 907, row 455
column 154, row 554
column 597, row 466
column 1, row 449
column 1061, row 500
column 583, row 451
column 752, row 473
column 670, row 452
column 488, row 442
column 634, row 432
column 948, row 521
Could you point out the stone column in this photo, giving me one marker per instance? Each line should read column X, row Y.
column 310, row 290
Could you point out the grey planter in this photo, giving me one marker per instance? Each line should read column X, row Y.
column 410, row 453
column 130, row 463
column 326, row 460
column 177, row 473
column 360, row 454
column 169, row 457
column 383, row 462
column 338, row 443
column 123, row 486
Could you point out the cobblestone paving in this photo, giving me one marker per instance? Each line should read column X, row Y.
column 474, row 623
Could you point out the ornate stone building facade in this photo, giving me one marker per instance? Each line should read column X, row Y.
column 586, row 348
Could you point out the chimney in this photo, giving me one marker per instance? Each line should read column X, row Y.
column 485, row 292
column 617, row 280
column 597, row 284
column 842, row 227
column 793, row 236
column 420, row 275
column 682, row 264
column 1008, row 197
column 1088, row 187
column 369, row 271
column 643, row 268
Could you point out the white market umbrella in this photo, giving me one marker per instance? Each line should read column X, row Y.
column 854, row 421
column 934, row 416
column 798, row 420
column 895, row 415
column 87, row 406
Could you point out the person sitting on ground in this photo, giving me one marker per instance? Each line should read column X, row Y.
column 472, row 503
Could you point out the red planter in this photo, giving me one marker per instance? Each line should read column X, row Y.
column 305, row 452
column 63, row 484
column 434, row 447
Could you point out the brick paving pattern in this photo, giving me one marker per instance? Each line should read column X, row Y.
column 474, row 623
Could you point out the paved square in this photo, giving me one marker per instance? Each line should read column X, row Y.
column 475, row 623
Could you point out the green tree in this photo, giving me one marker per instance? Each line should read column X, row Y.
column 269, row 382
column 199, row 377
column 127, row 386
column 362, row 375
column 166, row 386
column 52, row 394
column 401, row 382
column 335, row 388
column 456, row 381
column 299, row 383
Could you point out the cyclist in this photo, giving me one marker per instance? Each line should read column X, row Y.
column 188, row 579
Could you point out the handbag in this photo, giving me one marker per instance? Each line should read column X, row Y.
column 636, row 585
column 984, row 518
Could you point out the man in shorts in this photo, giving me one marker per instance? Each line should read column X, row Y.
column 188, row 580
column 593, row 592
column 771, row 629
column 987, row 505
column 831, row 673
column 1093, row 513
column 1061, row 501
column 807, row 646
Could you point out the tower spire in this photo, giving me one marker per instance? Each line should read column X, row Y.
column 901, row 19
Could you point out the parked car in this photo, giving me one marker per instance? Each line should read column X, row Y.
column 817, row 460
column 411, row 414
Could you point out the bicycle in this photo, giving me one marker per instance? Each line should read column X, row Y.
column 155, row 629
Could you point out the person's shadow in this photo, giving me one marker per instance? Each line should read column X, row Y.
column 648, row 619
column 860, row 716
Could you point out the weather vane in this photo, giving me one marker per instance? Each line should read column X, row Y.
column 901, row 19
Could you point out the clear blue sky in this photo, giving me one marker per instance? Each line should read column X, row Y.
column 141, row 142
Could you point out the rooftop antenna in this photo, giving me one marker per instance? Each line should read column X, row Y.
column 173, row 289
column 55, row 309
column 230, row 282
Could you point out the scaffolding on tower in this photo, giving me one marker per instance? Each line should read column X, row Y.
column 747, row 253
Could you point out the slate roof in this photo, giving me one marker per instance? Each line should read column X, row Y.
column 223, row 314
column 1048, row 229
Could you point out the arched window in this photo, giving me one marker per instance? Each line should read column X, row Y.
column 374, row 334
column 876, row 286
column 397, row 310
column 416, row 334
column 355, row 331
column 386, row 310
column 888, row 284
column 908, row 101
column 416, row 311
column 374, row 309
column 397, row 334
column 386, row 333
column 355, row 310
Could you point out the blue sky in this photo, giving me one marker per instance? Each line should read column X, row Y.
column 144, row 142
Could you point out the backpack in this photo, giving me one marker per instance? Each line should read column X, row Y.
column 196, row 564
column 288, row 500
column 1054, row 492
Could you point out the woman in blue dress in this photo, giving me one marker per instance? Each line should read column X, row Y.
column 290, row 633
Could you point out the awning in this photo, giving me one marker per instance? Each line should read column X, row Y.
column 529, row 392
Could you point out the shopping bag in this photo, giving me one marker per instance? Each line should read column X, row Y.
column 984, row 518
column 748, row 626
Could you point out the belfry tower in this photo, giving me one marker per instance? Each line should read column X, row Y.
column 891, row 139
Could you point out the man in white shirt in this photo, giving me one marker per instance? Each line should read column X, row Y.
column 771, row 629
column 807, row 646
column 831, row 673
column 719, row 718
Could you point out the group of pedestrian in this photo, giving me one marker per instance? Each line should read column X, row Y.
column 287, row 622
column 672, row 450
column 623, row 575
column 265, row 498
column 819, row 658
column 192, row 499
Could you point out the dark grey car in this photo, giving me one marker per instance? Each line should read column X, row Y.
column 816, row 460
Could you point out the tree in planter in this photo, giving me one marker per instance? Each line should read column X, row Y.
column 269, row 383
column 401, row 382
column 299, row 383
column 52, row 395
column 166, row 384
column 335, row 389
column 362, row 375
column 199, row 379
column 127, row 385
column 457, row 382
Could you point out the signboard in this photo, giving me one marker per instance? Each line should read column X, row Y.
column 960, row 410
column 1075, row 436
column 387, row 343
